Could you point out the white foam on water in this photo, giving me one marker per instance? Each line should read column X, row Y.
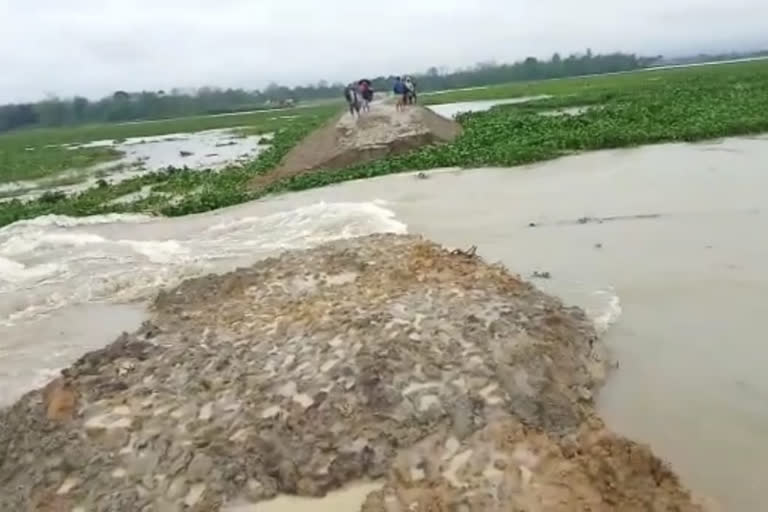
column 65, row 221
column 602, row 305
column 10, row 268
column 13, row 271
column 305, row 227
column 30, row 240
column 53, row 262
column 607, row 312
column 166, row 251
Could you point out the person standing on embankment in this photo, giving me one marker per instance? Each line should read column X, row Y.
column 410, row 89
column 351, row 94
column 401, row 93
column 366, row 93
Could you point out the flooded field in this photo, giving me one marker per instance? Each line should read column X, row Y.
column 661, row 245
column 451, row 110
column 210, row 149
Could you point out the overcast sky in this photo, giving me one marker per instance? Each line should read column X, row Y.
column 93, row 47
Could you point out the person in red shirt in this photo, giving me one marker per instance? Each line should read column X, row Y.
column 366, row 93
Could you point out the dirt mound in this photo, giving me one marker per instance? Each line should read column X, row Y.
column 452, row 382
column 507, row 466
column 348, row 140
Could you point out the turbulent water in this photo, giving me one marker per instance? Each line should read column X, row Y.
column 52, row 262
column 662, row 243
column 56, row 273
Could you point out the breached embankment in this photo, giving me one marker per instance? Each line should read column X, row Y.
column 452, row 382
column 347, row 140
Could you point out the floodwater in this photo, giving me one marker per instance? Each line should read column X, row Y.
column 52, row 269
column 451, row 110
column 664, row 246
column 349, row 499
column 209, row 149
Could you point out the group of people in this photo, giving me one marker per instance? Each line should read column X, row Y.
column 359, row 95
column 405, row 91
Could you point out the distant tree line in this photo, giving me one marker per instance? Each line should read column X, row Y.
column 124, row 106
column 491, row 73
column 711, row 57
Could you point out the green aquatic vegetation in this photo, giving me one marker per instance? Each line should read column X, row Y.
column 697, row 108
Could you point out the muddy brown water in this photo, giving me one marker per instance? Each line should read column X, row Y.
column 665, row 244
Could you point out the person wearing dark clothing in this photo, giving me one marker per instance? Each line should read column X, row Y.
column 401, row 93
column 353, row 99
column 366, row 93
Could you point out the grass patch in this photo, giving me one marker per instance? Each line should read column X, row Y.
column 18, row 163
column 255, row 122
column 611, row 85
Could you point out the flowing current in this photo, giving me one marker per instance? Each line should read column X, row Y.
column 663, row 246
column 53, row 262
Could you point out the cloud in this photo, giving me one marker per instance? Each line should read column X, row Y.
column 94, row 47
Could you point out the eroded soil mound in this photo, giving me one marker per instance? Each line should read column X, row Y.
column 348, row 140
column 383, row 357
column 507, row 466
